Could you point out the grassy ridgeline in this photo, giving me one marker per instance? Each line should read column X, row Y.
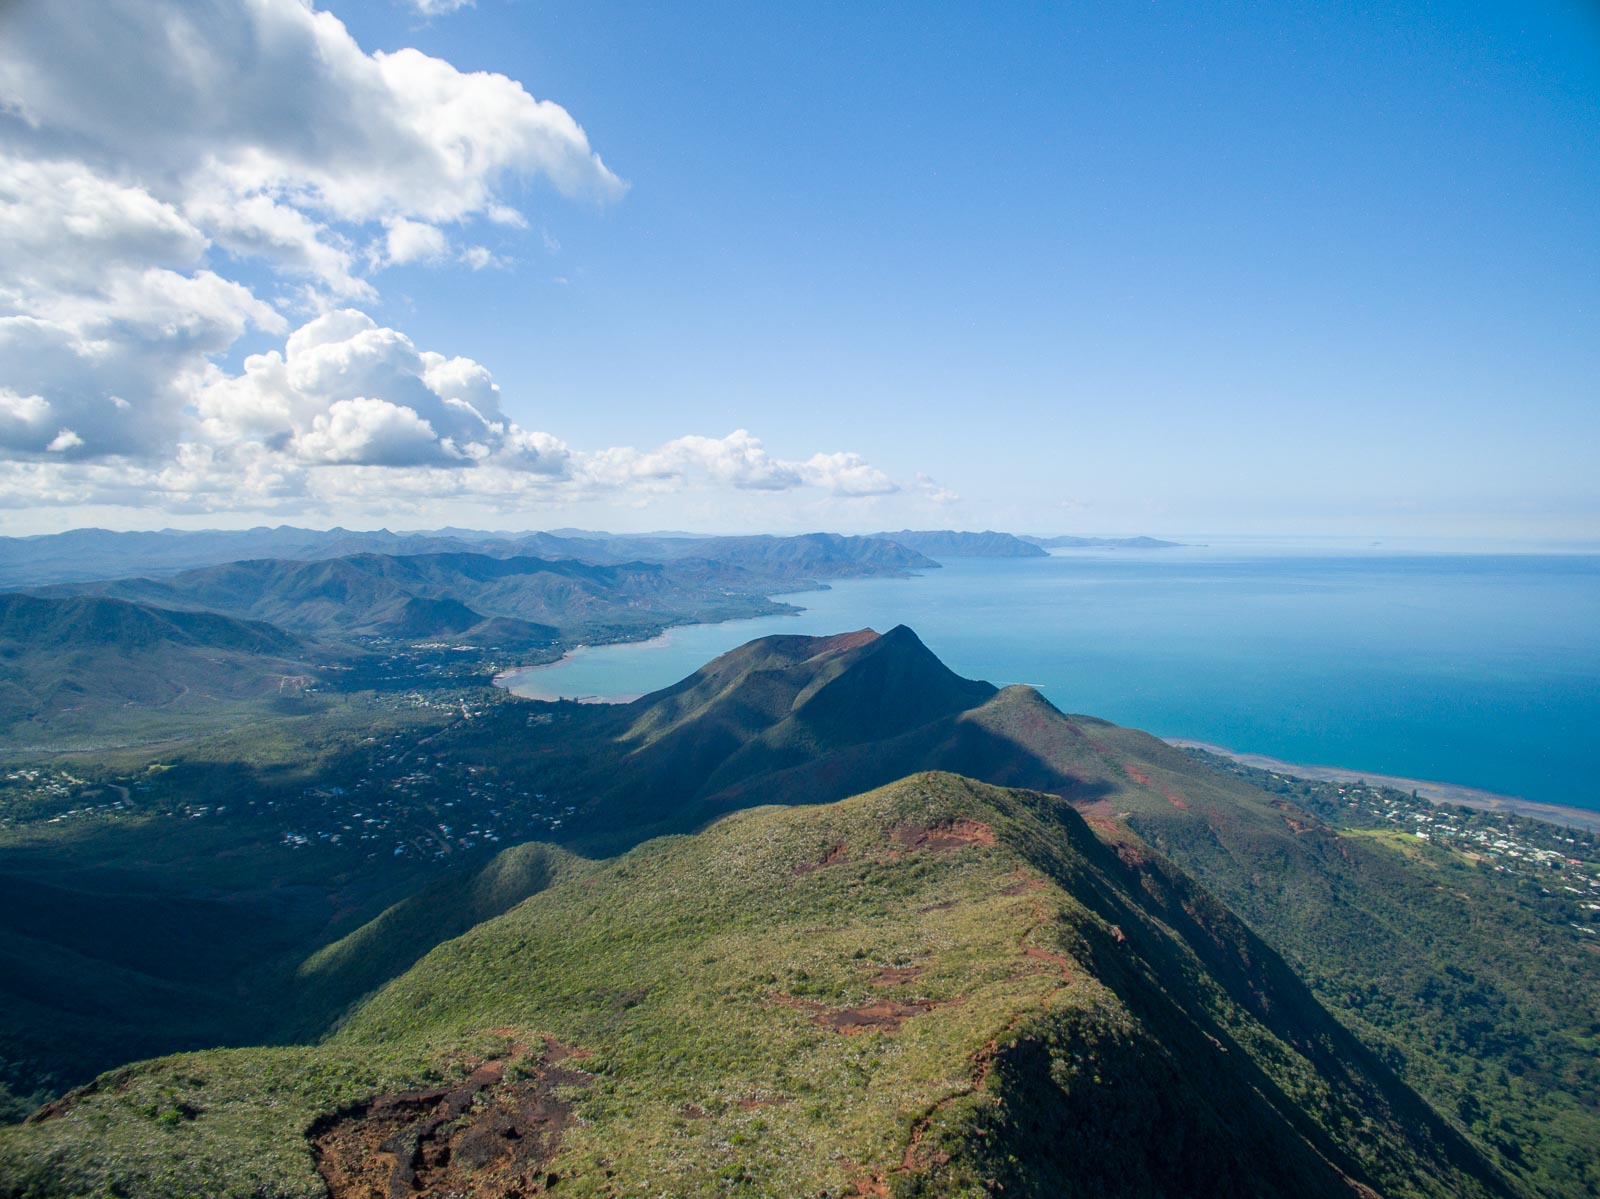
column 925, row 989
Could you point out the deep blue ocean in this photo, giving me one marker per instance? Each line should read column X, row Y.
column 1481, row 670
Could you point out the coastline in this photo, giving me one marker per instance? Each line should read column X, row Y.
column 1452, row 793
column 543, row 696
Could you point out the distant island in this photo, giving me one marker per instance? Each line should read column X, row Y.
column 947, row 543
column 1104, row 543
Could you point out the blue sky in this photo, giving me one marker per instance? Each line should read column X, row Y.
column 1122, row 267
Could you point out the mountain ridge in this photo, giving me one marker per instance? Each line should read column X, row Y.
column 1352, row 965
column 1046, row 956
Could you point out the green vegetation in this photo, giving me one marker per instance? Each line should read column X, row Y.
column 408, row 867
column 1472, row 983
column 104, row 669
column 340, row 973
column 876, row 993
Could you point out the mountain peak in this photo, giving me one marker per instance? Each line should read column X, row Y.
column 841, row 642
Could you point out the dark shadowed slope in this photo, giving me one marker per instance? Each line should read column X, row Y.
column 782, row 719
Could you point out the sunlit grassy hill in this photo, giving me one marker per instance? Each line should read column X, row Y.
column 936, row 988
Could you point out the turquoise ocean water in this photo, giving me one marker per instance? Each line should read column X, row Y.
column 1481, row 670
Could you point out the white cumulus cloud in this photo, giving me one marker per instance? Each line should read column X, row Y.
column 846, row 474
column 141, row 140
column 414, row 241
column 149, row 149
column 365, row 430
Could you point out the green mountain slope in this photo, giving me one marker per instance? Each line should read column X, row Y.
column 339, row 973
column 938, row 988
column 1480, row 998
column 1488, row 1007
column 1442, row 979
column 91, row 665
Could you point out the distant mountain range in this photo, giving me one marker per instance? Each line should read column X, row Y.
column 510, row 601
column 526, row 598
column 944, row 543
column 170, row 641
column 85, row 555
column 514, row 602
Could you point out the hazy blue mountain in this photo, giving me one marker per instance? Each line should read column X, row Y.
column 1114, row 543
column 86, row 555
column 946, row 543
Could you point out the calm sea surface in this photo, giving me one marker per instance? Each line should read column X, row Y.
column 1482, row 670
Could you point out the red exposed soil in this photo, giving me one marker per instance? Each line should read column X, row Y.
column 1098, row 813
column 1023, row 886
column 1143, row 780
column 844, row 641
column 895, row 976
column 869, row 1188
column 1044, row 955
column 486, row 1136
column 837, row 853
column 750, row 1102
column 881, row 1015
column 1297, row 826
column 953, row 834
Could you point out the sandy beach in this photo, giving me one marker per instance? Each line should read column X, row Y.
column 523, row 680
column 1454, row 793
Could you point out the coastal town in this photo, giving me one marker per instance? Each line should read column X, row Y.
column 406, row 799
column 1555, row 861
column 389, row 794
